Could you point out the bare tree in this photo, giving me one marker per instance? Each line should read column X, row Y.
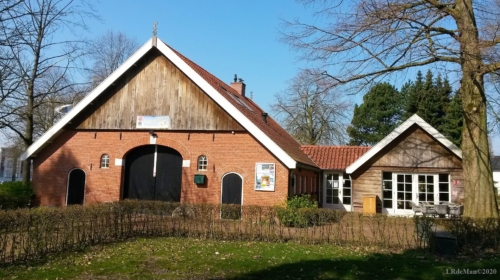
column 108, row 52
column 43, row 58
column 365, row 40
column 311, row 111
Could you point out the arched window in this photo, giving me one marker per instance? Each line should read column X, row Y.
column 202, row 163
column 105, row 161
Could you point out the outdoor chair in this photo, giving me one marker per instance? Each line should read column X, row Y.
column 428, row 209
column 442, row 210
column 456, row 211
column 416, row 209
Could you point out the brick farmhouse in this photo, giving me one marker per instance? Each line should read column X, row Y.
column 162, row 128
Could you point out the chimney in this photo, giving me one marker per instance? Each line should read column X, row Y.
column 238, row 85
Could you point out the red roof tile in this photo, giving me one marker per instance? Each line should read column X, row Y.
column 334, row 157
column 254, row 113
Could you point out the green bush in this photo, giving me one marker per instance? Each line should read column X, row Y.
column 15, row 195
column 292, row 217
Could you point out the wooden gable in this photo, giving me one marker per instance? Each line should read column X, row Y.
column 416, row 149
column 155, row 87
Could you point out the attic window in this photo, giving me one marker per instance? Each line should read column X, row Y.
column 239, row 101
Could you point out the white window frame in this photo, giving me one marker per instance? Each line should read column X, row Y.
column 202, row 163
column 415, row 191
column 104, row 161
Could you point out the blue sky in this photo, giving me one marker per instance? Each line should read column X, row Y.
column 225, row 37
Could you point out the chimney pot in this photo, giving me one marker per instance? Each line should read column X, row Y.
column 238, row 85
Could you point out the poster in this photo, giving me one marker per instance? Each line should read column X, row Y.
column 265, row 175
column 153, row 122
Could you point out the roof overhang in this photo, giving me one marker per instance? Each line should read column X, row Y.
column 58, row 128
column 415, row 119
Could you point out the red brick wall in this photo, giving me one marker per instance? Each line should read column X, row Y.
column 83, row 149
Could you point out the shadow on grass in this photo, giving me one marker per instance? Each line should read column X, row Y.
column 407, row 265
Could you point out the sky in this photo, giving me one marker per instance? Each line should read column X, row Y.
column 225, row 37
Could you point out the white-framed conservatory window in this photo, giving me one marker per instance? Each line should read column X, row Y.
column 202, row 163
column 105, row 161
column 399, row 190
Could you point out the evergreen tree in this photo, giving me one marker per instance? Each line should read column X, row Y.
column 454, row 120
column 377, row 116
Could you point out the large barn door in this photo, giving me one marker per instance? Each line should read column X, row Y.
column 139, row 180
column 76, row 187
column 153, row 172
column 168, row 174
column 232, row 186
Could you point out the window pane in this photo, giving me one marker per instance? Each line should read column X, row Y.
column 430, row 188
column 421, row 178
column 408, row 205
column 347, row 192
column 408, row 196
column 329, row 192
column 443, row 177
column 387, row 203
column 421, row 197
column 387, row 185
column 400, row 205
column 346, row 200
column 335, row 176
column 430, row 179
column 444, row 197
column 401, row 196
column 335, row 200
column 401, row 178
column 401, row 187
column 347, row 183
column 444, row 187
column 387, row 175
column 430, row 197
column 329, row 200
column 335, row 192
column 387, row 194
column 408, row 178
column 408, row 187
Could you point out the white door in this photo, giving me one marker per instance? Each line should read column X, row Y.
column 337, row 191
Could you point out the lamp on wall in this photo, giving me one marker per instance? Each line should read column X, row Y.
column 152, row 133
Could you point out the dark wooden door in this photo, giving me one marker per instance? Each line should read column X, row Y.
column 231, row 196
column 76, row 187
column 153, row 172
column 139, row 180
column 168, row 174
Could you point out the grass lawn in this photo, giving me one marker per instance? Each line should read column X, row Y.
column 183, row 258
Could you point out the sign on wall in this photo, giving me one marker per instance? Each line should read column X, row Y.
column 153, row 122
column 265, row 175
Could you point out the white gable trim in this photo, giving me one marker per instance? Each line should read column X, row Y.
column 415, row 119
column 184, row 67
column 231, row 110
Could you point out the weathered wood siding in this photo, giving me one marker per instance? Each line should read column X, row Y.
column 155, row 87
column 413, row 152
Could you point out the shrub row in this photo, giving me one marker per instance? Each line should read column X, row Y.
column 29, row 234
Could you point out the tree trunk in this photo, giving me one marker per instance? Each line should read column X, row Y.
column 480, row 201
